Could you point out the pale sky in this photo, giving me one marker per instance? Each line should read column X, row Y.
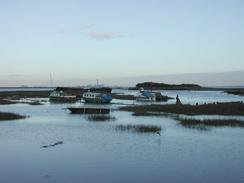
column 79, row 40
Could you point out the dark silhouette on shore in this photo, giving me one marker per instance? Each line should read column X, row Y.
column 178, row 102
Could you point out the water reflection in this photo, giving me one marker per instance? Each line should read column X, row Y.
column 199, row 127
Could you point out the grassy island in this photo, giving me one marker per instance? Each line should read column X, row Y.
column 164, row 86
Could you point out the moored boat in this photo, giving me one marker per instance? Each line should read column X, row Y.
column 146, row 96
column 88, row 110
column 60, row 96
column 98, row 98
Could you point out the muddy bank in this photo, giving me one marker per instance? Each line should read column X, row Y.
column 192, row 123
column 24, row 94
column 10, row 116
column 239, row 91
column 6, row 102
column 53, row 145
column 228, row 108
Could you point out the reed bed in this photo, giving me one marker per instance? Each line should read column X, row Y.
column 139, row 128
column 228, row 108
column 101, row 118
column 212, row 122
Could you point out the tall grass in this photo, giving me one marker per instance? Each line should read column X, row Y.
column 228, row 108
column 139, row 128
column 100, row 118
column 212, row 122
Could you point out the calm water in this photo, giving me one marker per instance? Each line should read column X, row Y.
column 99, row 152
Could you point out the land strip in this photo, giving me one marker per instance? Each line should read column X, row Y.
column 228, row 108
column 10, row 116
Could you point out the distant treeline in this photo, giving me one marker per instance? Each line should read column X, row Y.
column 163, row 86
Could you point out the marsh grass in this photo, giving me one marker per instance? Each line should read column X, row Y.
column 10, row 116
column 139, row 128
column 228, row 108
column 205, row 124
column 24, row 94
column 238, row 91
column 35, row 103
column 101, row 118
column 6, row 102
column 146, row 114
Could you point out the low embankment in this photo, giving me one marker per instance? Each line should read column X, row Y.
column 229, row 108
column 238, row 91
column 191, row 123
column 10, row 116
column 24, row 94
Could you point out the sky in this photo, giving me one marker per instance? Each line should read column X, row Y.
column 78, row 40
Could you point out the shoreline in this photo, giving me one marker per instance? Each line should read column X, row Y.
column 4, row 116
column 226, row 108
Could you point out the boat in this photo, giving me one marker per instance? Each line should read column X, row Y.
column 99, row 90
column 146, row 96
column 98, row 98
column 88, row 110
column 60, row 96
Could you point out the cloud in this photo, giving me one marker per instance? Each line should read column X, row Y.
column 98, row 35
column 104, row 35
column 76, row 29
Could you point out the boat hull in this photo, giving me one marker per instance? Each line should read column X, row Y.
column 96, row 101
column 97, row 98
column 55, row 99
column 88, row 110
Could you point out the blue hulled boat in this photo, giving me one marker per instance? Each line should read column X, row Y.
column 98, row 98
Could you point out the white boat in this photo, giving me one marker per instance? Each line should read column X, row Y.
column 146, row 96
column 60, row 96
